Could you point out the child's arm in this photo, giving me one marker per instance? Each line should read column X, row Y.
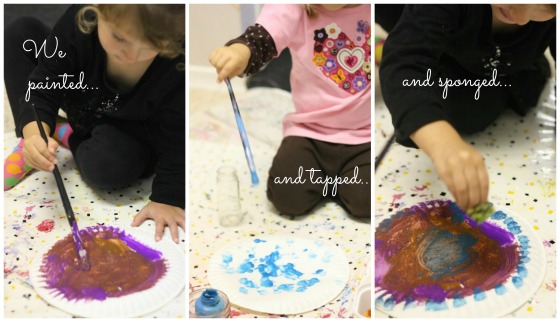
column 35, row 151
column 163, row 215
column 459, row 165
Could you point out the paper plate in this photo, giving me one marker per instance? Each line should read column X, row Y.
column 279, row 274
column 131, row 305
column 512, row 294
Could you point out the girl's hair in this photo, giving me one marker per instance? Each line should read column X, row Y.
column 160, row 25
column 309, row 10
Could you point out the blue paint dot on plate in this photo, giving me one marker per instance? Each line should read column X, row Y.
column 498, row 215
column 436, row 306
column 257, row 240
column 479, row 294
column 524, row 260
column 379, row 301
column 320, row 272
column 522, row 271
column 508, row 220
column 410, row 303
column 458, row 300
column 311, row 255
column 389, row 303
column 517, row 281
column 514, row 228
column 500, row 289
column 523, row 240
column 243, row 290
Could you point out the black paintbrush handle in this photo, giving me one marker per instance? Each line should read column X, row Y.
column 384, row 151
column 57, row 176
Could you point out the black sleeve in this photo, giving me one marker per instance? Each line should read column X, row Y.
column 168, row 186
column 415, row 45
column 51, row 70
column 387, row 15
column 261, row 45
column 552, row 47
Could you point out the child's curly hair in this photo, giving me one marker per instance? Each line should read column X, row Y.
column 160, row 25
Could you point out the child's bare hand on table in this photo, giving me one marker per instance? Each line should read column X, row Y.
column 230, row 61
column 163, row 215
column 459, row 165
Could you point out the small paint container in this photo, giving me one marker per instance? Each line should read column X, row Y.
column 208, row 303
column 362, row 301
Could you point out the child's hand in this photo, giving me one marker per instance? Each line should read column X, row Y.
column 163, row 215
column 230, row 61
column 38, row 155
column 458, row 164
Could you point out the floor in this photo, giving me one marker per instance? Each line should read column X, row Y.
column 214, row 141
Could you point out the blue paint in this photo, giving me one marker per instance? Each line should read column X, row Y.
column 524, row 241
column 457, row 215
column 524, row 260
column 311, row 255
column 446, row 254
column 304, row 284
column 436, row 306
column 246, row 267
column 522, row 271
column 514, row 228
column 261, row 292
column 290, row 272
column 508, row 220
column 389, row 304
column 498, row 215
column 247, row 282
column 320, row 272
column 243, row 290
column 284, row 287
column 458, row 301
column 500, row 289
column 268, row 268
column 327, row 257
column 256, row 240
column 379, row 301
column 479, row 294
column 517, row 281
column 209, row 303
column 410, row 303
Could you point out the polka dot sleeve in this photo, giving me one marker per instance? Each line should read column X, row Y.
column 261, row 45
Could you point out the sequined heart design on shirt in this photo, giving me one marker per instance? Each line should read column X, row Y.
column 344, row 61
column 351, row 60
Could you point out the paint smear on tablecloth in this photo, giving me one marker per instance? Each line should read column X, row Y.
column 120, row 265
column 432, row 252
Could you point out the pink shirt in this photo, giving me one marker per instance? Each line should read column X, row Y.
column 331, row 70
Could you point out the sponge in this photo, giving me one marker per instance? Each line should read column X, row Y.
column 481, row 212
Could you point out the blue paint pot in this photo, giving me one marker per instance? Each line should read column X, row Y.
column 209, row 303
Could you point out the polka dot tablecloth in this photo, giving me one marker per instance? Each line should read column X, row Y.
column 214, row 137
column 33, row 215
column 521, row 159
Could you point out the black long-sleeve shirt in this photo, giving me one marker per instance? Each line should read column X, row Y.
column 425, row 35
column 157, row 100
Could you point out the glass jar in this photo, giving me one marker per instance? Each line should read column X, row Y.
column 228, row 203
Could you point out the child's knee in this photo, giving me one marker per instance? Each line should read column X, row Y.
column 356, row 200
column 291, row 201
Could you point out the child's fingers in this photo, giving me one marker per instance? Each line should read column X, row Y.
column 139, row 218
column 174, row 231
column 471, row 175
column 52, row 146
column 37, row 159
column 461, row 189
column 160, row 225
column 484, row 185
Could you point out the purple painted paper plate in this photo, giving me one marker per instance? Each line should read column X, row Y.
column 279, row 274
column 132, row 305
column 503, row 299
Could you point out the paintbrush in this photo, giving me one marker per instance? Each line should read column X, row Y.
column 243, row 134
column 80, row 248
column 384, row 151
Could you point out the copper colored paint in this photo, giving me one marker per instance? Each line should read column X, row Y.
column 433, row 253
column 116, row 268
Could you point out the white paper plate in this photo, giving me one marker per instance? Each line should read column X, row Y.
column 494, row 305
column 313, row 259
column 131, row 305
